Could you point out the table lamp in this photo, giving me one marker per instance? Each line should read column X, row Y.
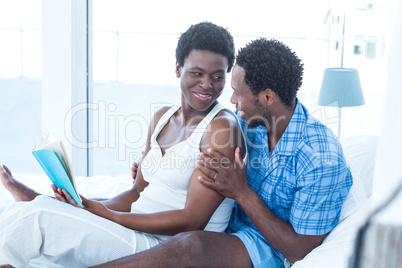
column 340, row 87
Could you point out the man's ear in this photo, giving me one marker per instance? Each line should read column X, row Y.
column 267, row 96
column 178, row 70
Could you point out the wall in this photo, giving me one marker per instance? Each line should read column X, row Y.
column 389, row 160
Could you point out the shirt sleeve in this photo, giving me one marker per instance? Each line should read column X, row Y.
column 322, row 188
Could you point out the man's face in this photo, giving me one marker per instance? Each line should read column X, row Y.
column 246, row 102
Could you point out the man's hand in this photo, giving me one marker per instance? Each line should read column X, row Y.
column 220, row 174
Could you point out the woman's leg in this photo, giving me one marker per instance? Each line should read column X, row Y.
column 19, row 191
column 66, row 235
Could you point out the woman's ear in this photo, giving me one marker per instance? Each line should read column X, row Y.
column 178, row 70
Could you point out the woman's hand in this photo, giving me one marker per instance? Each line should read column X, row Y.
column 58, row 194
column 97, row 208
column 63, row 196
column 134, row 170
column 92, row 206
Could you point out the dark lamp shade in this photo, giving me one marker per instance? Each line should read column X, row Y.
column 341, row 88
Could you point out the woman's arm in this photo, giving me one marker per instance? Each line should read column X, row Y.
column 201, row 201
column 123, row 201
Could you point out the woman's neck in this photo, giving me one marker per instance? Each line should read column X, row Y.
column 189, row 116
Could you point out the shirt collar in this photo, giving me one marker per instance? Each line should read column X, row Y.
column 293, row 132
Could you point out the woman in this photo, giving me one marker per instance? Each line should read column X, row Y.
column 166, row 197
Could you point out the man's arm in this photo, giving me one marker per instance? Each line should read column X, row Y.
column 231, row 182
column 278, row 232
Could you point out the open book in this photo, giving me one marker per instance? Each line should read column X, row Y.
column 52, row 157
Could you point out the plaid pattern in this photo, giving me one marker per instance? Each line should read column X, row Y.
column 306, row 179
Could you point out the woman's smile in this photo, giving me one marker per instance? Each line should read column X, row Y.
column 202, row 96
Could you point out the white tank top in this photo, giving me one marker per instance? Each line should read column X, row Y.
column 169, row 175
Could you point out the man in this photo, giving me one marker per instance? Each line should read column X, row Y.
column 290, row 195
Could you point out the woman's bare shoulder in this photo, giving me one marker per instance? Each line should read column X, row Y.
column 224, row 133
column 158, row 114
column 225, row 118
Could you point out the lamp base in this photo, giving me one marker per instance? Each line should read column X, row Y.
column 339, row 122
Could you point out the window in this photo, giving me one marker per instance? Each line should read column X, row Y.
column 20, row 82
column 133, row 61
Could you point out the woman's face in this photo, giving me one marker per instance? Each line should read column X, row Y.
column 202, row 78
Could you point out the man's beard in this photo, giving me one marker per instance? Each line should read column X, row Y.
column 262, row 118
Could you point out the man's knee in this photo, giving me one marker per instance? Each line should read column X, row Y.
column 223, row 250
column 192, row 243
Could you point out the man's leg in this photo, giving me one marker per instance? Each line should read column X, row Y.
column 191, row 249
column 19, row 191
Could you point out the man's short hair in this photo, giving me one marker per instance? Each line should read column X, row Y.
column 271, row 64
column 206, row 36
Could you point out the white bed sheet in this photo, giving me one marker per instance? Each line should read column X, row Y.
column 338, row 246
column 334, row 252
column 97, row 186
column 336, row 249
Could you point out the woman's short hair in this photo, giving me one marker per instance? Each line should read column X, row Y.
column 206, row 36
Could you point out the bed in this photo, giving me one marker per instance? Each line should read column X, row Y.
column 335, row 251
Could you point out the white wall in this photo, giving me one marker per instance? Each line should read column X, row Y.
column 389, row 161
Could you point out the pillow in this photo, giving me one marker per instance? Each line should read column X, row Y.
column 357, row 194
column 360, row 154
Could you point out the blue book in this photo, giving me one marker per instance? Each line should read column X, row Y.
column 53, row 159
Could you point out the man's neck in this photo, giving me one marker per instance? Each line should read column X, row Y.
column 279, row 121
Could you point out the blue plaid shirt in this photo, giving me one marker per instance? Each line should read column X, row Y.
column 306, row 179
